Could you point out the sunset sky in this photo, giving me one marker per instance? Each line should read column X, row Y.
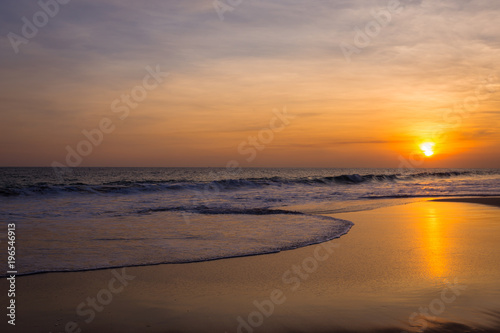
column 225, row 78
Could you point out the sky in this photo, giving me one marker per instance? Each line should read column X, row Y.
column 317, row 83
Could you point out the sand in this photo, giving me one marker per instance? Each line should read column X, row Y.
column 427, row 265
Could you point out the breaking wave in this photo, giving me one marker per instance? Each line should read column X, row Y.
column 124, row 187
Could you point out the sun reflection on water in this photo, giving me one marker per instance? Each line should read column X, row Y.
column 435, row 244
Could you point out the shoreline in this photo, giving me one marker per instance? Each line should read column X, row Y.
column 485, row 200
column 362, row 286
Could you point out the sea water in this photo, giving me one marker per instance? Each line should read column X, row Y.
column 111, row 217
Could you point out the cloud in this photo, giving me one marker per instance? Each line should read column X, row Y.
column 227, row 76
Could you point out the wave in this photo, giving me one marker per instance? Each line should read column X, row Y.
column 236, row 244
column 223, row 211
column 125, row 187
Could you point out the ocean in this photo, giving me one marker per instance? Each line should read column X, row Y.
column 96, row 218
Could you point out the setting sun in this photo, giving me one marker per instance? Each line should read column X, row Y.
column 428, row 148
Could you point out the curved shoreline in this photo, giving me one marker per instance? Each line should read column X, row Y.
column 376, row 276
column 485, row 200
column 341, row 227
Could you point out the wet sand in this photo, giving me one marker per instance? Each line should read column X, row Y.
column 427, row 265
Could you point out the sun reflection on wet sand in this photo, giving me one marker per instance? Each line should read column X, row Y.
column 435, row 242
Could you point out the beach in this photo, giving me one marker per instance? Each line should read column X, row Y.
column 260, row 166
column 429, row 265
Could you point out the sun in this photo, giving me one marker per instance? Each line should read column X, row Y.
column 428, row 148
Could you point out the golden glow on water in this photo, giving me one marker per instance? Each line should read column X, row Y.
column 435, row 243
column 452, row 238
